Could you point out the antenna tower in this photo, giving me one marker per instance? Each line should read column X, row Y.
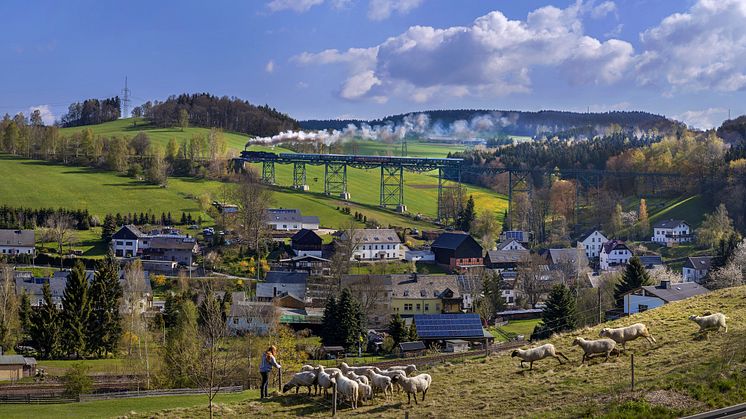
column 125, row 100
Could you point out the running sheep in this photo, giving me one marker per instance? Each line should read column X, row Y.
column 624, row 334
column 347, row 388
column 302, row 379
column 413, row 385
column 600, row 346
column 535, row 354
column 710, row 322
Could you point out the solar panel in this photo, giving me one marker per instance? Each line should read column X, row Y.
column 437, row 326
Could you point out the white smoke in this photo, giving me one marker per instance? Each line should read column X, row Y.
column 412, row 125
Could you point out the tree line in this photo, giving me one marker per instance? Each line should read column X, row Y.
column 30, row 218
column 92, row 112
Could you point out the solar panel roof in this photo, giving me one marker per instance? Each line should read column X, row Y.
column 448, row 326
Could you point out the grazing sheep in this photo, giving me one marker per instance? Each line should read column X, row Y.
column 711, row 322
column 307, row 368
column 535, row 354
column 324, row 379
column 365, row 392
column 302, row 379
column 413, row 385
column 349, row 389
column 357, row 370
column 408, row 369
column 600, row 346
column 380, row 382
column 359, row 378
column 624, row 334
column 391, row 374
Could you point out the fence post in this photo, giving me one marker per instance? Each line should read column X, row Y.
column 279, row 380
column 632, row 363
column 334, row 399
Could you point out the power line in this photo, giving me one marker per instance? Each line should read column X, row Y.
column 125, row 99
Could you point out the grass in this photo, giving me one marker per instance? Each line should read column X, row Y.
column 681, row 374
column 692, row 209
column 514, row 328
column 124, row 407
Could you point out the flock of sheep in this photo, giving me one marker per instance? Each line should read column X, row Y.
column 610, row 338
column 359, row 384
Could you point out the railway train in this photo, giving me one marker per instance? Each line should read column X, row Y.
column 268, row 156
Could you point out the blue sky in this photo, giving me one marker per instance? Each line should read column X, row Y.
column 370, row 58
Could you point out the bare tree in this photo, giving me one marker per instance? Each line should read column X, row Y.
column 9, row 321
column 345, row 245
column 372, row 291
column 60, row 231
column 733, row 273
column 534, row 279
column 133, row 292
column 252, row 199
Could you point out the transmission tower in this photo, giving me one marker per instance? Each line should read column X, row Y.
column 125, row 99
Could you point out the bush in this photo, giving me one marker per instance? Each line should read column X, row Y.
column 77, row 381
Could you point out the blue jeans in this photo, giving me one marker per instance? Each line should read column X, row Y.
column 265, row 385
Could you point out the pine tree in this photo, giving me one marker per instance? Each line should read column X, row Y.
column 466, row 216
column 413, row 333
column 76, row 310
column 183, row 220
column 559, row 314
column 329, row 330
column 45, row 326
column 398, row 329
column 108, row 229
column 506, row 221
column 634, row 277
column 105, row 322
column 350, row 319
column 25, row 315
column 171, row 310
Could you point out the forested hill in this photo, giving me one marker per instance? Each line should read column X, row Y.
column 523, row 122
column 208, row 111
column 733, row 130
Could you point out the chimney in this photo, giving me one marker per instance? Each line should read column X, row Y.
column 666, row 284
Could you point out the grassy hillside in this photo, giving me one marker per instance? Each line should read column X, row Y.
column 680, row 374
column 691, row 209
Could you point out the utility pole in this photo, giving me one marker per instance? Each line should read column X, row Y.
column 599, row 304
column 125, row 100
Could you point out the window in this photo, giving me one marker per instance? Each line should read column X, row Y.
column 407, row 307
column 642, row 307
column 437, row 307
column 427, row 307
column 418, row 307
column 120, row 243
column 235, row 320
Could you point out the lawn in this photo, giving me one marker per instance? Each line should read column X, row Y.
column 87, row 241
column 124, row 407
column 514, row 328
column 691, row 209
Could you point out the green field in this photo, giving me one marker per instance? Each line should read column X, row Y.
column 691, row 209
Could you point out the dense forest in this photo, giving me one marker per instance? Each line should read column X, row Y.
column 91, row 112
column 525, row 123
column 208, row 111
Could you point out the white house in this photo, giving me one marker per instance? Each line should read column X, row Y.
column 510, row 245
column 126, row 241
column 164, row 245
column 251, row 317
column 375, row 244
column 279, row 283
column 17, row 242
column 696, row 268
column 671, row 231
column 650, row 297
column 593, row 243
column 614, row 253
column 285, row 219
column 419, row 255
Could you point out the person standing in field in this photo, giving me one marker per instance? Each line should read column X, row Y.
column 268, row 361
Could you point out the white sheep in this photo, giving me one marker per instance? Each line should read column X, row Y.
column 535, row 354
column 324, row 379
column 307, row 368
column 359, row 378
column 347, row 388
column 710, row 322
column 391, row 374
column 380, row 382
column 408, row 369
column 365, row 392
column 600, row 346
column 357, row 370
column 624, row 334
column 413, row 385
column 301, row 379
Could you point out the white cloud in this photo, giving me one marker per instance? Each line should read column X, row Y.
column 46, row 114
column 493, row 56
column 701, row 49
column 603, row 9
column 302, row 85
column 382, row 9
column 298, row 6
column 703, row 119
column 270, row 66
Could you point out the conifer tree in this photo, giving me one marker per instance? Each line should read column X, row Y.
column 398, row 329
column 467, row 215
column 634, row 277
column 45, row 326
column 330, row 323
column 108, row 229
column 25, row 315
column 350, row 319
column 105, row 322
column 76, row 310
column 413, row 333
column 559, row 314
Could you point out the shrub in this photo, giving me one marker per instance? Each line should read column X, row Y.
column 77, row 381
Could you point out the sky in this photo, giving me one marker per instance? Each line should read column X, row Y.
column 329, row 59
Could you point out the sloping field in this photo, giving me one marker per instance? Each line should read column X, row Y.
column 680, row 374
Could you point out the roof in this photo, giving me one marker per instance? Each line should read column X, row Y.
column 172, row 243
column 457, row 342
column 284, row 277
column 23, row 238
column 506, row 243
column 306, row 258
column 332, row 348
column 570, row 255
column 128, row 231
column 699, row 262
column 448, row 326
column 284, row 215
column 614, row 245
column 412, row 346
column 375, row 236
column 670, row 223
column 588, row 234
column 306, row 236
column 252, row 309
column 450, row 240
column 15, row 360
column 508, row 256
column 676, row 292
column 518, row 235
column 424, row 286
column 651, row 260
column 309, row 219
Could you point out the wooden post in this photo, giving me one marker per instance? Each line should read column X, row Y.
column 279, row 380
column 632, row 363
column 599, row 303
column 334, row 399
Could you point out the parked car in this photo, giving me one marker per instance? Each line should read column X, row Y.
column 193, row 227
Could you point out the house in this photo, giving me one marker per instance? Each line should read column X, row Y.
column 456, row 345
column 126, row 240
column 17, row 242
column 510, row 245
column 225, row 208
column 568, row 262
column 508, row 291
column 506, row 260
column 372, row 291
column 166, row 245
column 425, row 294
column 279, row 283
column 671, row 231
column 419, row 256
column 15, row 367
column 592, row 244
column 306, row 243
column 375, row 244
column 252, row 317
column 283, row 219
column 412, row 349
column 696, row 268
column 614, row 253
column 649, row 297
column 314, row 265
column 457, row 250
column 523, row 237
column 652, row 262
column 442, row 327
